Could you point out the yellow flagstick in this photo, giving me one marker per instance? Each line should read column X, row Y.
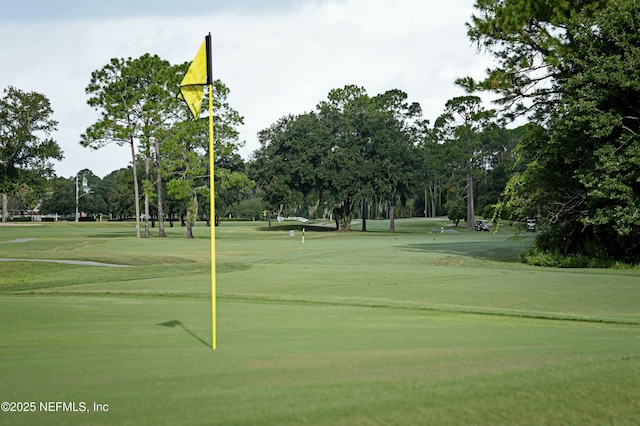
column 212, row 194
column 212, row 220
column 199, row 74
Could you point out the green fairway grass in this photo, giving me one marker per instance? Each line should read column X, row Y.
column 429, row 325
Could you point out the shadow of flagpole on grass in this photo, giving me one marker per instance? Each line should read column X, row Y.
column 177, row 323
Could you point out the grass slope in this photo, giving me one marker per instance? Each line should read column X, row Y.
column 416, row 327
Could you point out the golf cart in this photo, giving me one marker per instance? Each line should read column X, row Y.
column 531, row 225
column 480, row 226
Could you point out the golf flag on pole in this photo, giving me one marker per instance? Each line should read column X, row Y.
column 192, row 86
column 199, row 74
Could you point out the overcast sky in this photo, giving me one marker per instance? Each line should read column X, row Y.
column 277, row 57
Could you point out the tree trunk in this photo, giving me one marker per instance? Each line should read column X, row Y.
column 426, row 205
column 345, row 223
column 470, row 212
column 189, row 202
column 392, row 219
column 344, row 215
column 364, row 215
column 147, row 176
column 313, row 210
column 5, row 207
column 159, row 183
column 434, row 205
column 189, row 225
column 432, row 194
column 191, row 215
column 136, row 190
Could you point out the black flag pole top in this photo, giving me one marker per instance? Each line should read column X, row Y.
column 209, row 60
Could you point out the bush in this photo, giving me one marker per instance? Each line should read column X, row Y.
column 20, row 219
column 456, row 210
column 250, row 209
column 538, row 257
column 489, row 211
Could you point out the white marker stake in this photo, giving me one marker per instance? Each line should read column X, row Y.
column 302, row 235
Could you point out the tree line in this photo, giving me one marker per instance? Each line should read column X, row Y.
column 370, row 156
column 356, row 155
column 569, row 69
column 138, row 109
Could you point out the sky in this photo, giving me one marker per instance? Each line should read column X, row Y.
column 277, row 57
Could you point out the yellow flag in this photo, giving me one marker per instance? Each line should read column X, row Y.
column 192, row 86
column 198, row 75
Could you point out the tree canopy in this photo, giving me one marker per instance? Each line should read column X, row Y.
column 351, row 148
column 138, row 107
column 582, row 175
column 26, row 145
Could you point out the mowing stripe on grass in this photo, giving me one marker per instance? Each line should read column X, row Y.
column 374, row 304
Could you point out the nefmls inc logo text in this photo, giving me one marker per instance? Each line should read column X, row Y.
column 53, row 406
column 67, row 407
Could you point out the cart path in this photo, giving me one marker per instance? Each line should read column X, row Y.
column 68, row 262
column 19, row 240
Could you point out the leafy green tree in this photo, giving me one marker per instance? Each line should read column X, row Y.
column 456, row 206
column 582, row 176
column 121, row 202
column 443, row 166
column 498, row 164
column 99, row 192
column 25, row 199
column 137, row 101
column 139, row 108
column 248, row 208
column 91, row 203
column 231, row 178
column 186, row 156
column 60, row 198
column 529, row 40
column 375, row 139
column 351, row 148
column 114, row 94
column 235, row 186
column 267, row 167
column 459, row 128
column 603, row 99
column 391, row 150
column 26, row 146
column 433, row 172
column 155, row 79
column 104, row 189
column 290, row 166
column 344, row 174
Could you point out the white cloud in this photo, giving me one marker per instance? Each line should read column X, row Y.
column 274, row 63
